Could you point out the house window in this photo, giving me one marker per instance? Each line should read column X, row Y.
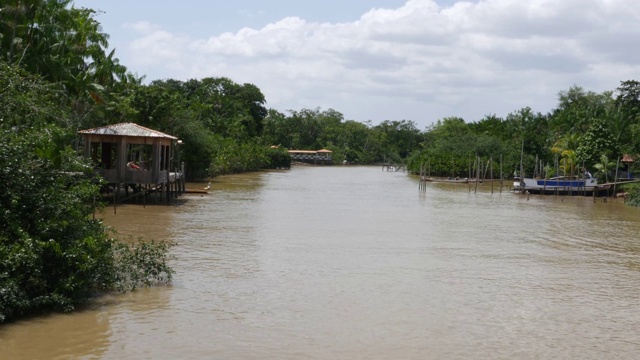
column 141, row 154
column 104, row 155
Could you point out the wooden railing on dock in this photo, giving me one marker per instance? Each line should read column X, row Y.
column 394, row 167
column 165, row 192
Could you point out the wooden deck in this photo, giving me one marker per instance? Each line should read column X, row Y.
column 163, row 193
column 394, row 167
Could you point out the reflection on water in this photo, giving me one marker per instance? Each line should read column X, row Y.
column 353, row 262
column 60, row 336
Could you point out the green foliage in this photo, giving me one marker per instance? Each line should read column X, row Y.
column 349, row 140
column 278, row 158
column 398, row 138
column 226, row 108
column 25, row 100
column 577, row 108
column 439, row 163
column 56, row 77
column 141, row 263
column 230, row 157
column 61, row 43
column 597, row 141
column 54, row 256
column 633, row 195
column 604, row 168
column 565, row 149
column 626, row 122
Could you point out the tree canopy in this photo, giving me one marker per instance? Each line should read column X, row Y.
column 58, row 76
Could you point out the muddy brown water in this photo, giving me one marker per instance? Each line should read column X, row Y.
column 356, row 263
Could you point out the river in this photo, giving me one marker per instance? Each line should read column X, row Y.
column 356, row 263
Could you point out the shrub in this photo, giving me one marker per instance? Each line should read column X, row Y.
column 278, row 158
column 633, row 195
column 53, row 254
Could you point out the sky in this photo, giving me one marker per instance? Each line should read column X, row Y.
column 376, row 60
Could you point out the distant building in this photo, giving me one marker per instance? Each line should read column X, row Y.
column 320, row 157
column 628, row 160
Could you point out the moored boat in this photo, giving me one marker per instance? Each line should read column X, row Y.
column 456, row 180
column 517, row 183
column 562, row 185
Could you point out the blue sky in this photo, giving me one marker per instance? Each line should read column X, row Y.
column 419, row 60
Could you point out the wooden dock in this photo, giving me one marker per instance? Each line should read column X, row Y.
column 394, row 167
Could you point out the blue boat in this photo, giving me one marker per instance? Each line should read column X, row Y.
column 562, row 185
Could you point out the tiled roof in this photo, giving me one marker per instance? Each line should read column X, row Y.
column 127, row 129
column 626, row 158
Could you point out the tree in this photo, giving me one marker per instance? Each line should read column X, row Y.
column 629, row 97
column 597, row 141
column 26, row 101
column 54, row 254
column 53, row 39
column 252, row 99
column 400, row 137
column 358, row 143
column 626, row 116
column 566, row 148
column 604, row 167
column 276, row 129
column 577, row 108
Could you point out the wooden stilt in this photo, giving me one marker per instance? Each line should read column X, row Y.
column 500, row 174
column 491, row 172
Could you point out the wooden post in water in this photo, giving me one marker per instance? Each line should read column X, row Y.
column 422, row 183
column 615, row 180
column 471, row 172
column 163, row 192
column 182, row 178
column 477, row 175
column 421, row 179
column 501, row 175
column 484, row 176
column 544, row 184
column 565, row 174
column 584, row 179
column 491, row 172
column 571, row 176
column 557, row 172
column 521, row 159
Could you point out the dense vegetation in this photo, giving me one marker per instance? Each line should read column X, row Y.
column 53, row 254
column 57, row 76
column 226, row 126
column 587, row 130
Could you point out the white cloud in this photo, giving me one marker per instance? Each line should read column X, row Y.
column 419, row 62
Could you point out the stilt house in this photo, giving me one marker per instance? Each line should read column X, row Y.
column 128, row 153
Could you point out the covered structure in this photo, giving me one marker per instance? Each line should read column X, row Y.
column 130, row 155
column 322, row 156
column 628, row 160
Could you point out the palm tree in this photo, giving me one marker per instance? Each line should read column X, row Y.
column 604, row 165
column 566, row 147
